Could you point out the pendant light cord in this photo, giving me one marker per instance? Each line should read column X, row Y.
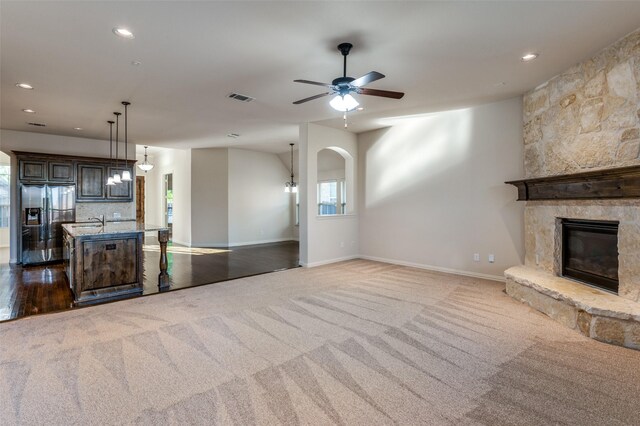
column 117, row 114
column 110, row 142
column 126, row 141
column 291, row 163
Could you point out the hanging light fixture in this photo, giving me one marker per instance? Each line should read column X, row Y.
column 145, row 165
column 291, row 186
column 110, row 181
column 116, row 175
column 126, row 174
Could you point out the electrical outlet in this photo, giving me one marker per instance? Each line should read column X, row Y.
column 476, row 257
column 492, row 258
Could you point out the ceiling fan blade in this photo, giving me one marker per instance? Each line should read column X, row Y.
column 316, row 83
column 383, row 93
column 301, row 101
column 367, row 78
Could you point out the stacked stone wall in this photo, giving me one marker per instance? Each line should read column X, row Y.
column 588, row 117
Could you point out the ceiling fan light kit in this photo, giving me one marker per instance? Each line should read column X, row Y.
column 344, row 103
column 343, row 87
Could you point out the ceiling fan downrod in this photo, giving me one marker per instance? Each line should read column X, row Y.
column 345, row 48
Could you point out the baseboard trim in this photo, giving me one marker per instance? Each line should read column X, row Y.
column 231, row 245
column 182, row 243
column 250, row 243
column 327, row 262
column 436, row 268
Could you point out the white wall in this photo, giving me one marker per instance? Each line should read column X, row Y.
column 329, row 238
column 433, row 191
column 177, row 162
column 11, row 140
column 259, row 209
column 210, row 203
column 234, row 196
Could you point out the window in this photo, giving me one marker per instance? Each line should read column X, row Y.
column 332, row 175
column 327, row 197
column 331, row 197
column 4, row 195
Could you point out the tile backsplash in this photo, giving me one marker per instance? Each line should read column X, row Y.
column 111, row 211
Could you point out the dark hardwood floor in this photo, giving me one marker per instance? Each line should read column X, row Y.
column 41, row 289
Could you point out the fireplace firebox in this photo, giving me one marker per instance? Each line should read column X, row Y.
column 590, row 252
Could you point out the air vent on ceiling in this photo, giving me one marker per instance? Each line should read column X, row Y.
column 241, row 98
column 233, row 135
column 31, row 123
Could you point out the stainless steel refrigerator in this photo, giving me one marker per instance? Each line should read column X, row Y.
column 44, row 209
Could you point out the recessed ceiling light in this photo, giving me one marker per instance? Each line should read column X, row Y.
column 136, row 63
column 360, row 109
column 123, row 32
column 24, row 86
column 28, row 110
column 77, row 128
column 233, row 135
column 529, row 57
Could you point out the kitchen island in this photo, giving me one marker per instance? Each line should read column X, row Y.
column 105, row 262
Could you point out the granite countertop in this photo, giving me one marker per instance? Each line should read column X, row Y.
column 80, row 229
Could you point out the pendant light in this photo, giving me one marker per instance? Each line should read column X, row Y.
column 291, row 186
column 110, row 181
column 116, row 175
column 145, row 166
column 126, row 174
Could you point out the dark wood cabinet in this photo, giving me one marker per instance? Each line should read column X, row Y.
column 91, row 182
column 33, row 170
column 121, row 191
column 61, row 171
column 110, row 262
column 104, row 266
column 89, row 174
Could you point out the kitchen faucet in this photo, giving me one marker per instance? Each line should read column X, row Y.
column 99, row 219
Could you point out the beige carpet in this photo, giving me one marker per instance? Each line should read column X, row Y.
column 353, row 343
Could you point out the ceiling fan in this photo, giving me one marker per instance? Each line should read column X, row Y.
column 344, row 86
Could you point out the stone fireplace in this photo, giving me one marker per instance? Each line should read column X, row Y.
column 584, row 120
column 543, row 239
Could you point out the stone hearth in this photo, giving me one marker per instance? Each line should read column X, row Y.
column 592, row 312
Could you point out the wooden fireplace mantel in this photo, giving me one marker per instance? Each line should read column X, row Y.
column 623, row 182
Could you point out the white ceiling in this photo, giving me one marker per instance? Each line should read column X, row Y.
column 193, row 54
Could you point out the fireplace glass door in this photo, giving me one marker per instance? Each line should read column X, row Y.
column 590, row 252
